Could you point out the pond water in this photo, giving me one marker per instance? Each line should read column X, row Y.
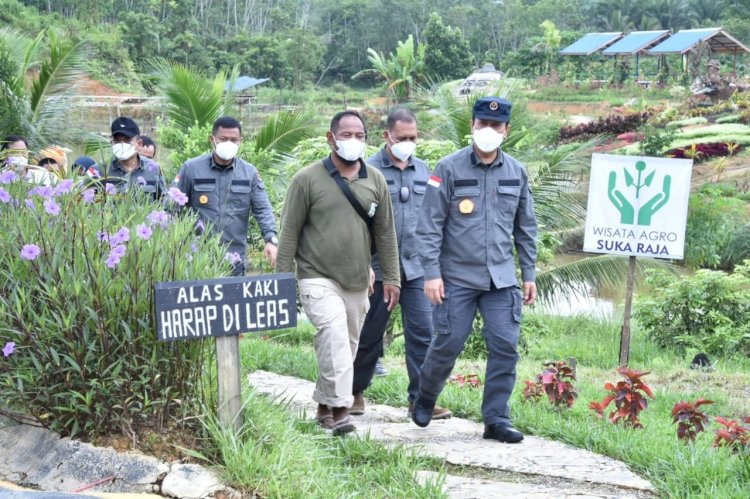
column 605, row 302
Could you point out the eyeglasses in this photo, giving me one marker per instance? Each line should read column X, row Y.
column 403, row 194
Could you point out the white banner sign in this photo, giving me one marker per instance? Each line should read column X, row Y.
column 637, row 206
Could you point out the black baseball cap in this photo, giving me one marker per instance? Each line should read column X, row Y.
column 125, row 126
column 493, row 109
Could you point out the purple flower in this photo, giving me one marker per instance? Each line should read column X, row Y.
column 158, row 217
column 30, row 204
column 30, row 251
column 44, row 191
column 118, row 251
column 51, row 207
column 141, row 181
column 8, row 177
column 4, row 196
column 177, row 196
column 110, row 189
column 194, row 247
column 200, row 226
column 234, row 258
column 119, row 237
column 143, row 231
column 102, row 236
column 88, row 196
column 113, row 260
column 64, row 187
column 10, row 347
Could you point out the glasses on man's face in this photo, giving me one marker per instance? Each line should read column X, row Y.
column 403, row 194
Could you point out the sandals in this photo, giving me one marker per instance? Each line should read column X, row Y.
column 344, row 426
column 326, row 421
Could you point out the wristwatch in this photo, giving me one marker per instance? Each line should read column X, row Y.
column 273, row 240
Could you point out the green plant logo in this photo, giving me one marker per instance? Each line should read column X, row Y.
column 625, row 206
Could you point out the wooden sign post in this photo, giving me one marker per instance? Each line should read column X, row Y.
column 224, row 309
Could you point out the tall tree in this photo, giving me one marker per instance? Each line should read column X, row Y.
column 447, row 55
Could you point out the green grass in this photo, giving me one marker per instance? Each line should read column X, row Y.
column 613, row 96
column 654, row 452
column 728, row 132
column 280, row 454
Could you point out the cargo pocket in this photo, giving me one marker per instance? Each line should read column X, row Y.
column 440, row 317
column 506, row 203
column 517, row 302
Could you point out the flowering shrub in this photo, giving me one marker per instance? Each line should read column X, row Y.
column 614, row 124
column 77, row 273
column 702, row 152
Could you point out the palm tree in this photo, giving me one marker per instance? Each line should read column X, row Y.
column 42, row 82
column 191, row 97
column 401, row 71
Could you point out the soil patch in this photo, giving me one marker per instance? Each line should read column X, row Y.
column 167, row 445
column 87, row 86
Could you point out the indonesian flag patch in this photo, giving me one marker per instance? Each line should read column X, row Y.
column 435, row 181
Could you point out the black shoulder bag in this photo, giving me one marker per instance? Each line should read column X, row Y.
column 334, row 173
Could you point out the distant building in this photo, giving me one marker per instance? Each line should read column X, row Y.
column 482, row 77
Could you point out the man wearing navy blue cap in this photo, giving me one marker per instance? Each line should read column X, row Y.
column 477, row 208
column 128, row 169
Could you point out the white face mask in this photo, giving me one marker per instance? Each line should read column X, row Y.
column 403, row 150
column 487, row 139
column 17, row 162
column 226, row 150
column 351, row 149
column 123, row 150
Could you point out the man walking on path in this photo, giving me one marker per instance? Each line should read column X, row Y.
column 224, row 189
column 478, row 206
column 406, row 177
column 330, row 241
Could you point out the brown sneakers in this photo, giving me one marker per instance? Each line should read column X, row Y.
column 437, row 413
column 358, row 406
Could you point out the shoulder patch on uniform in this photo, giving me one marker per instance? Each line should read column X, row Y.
column 435, row 181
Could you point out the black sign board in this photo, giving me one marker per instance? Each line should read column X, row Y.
column 188, row 310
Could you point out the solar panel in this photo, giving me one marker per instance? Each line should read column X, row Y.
column 635, row 42
column 683, row 40
column 591, row 43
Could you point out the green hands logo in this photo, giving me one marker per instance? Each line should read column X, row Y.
column 625, row 207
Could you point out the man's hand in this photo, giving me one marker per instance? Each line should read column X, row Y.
column 270, row 253
column 529, row 293
column 391, row 295
column 371, row 287
column 434, row 290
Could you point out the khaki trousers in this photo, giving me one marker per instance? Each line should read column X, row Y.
column 338, row 315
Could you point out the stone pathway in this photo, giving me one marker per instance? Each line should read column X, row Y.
column 535, row 468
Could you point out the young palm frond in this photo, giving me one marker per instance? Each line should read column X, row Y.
column 590, row 273
column 284, row 130
column 25, row 51
column 192, row 97
column 58, row 72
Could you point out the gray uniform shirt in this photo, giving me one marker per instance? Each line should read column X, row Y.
column 147, row 177
column 471, row 216
column 414, row 178
column 224, row 197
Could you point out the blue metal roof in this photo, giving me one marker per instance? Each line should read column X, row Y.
column 635, row 42
column 244, row 82
column 591, row 43
column 684, row 40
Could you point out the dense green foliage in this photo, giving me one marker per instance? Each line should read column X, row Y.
column 299, row 43
column 77, row 298
column 708, row 311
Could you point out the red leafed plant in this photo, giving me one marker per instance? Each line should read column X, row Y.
column 690, row 420
column 732, row 433
column 628, row 397
column 556, row 381
column 532, row 392
column 470, row 379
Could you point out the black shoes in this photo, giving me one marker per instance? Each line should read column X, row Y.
column 502, row 432
column 422, row 413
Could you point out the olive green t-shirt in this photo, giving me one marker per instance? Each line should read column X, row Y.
column 327, row 238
